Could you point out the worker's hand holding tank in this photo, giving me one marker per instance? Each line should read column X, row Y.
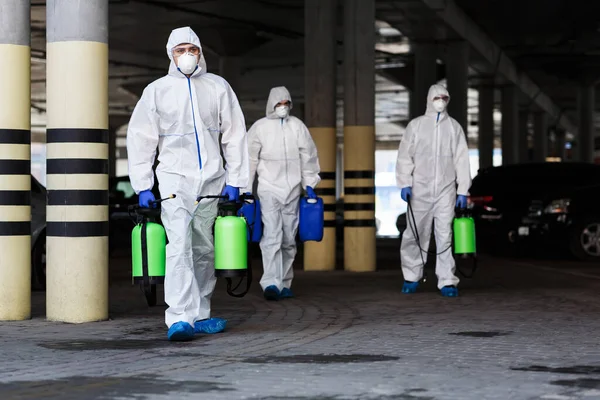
column 406, row 193
column 461, row 201
column 310, row 192
column 146, row 197
column 232, row 193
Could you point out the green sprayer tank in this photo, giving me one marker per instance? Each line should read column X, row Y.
column 149, row 243
column 231, row 247
column 464, row 233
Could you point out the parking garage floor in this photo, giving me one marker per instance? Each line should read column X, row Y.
column 520, row 330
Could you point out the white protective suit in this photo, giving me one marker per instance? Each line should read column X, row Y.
column 433, row 159
column 183, row 118
column 285, row 157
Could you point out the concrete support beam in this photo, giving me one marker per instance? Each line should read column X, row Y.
column 15, row 161
column 486, row 126
column 425, row 76
column 457, row 75
column 320, row 117
column 359, row 136
column 510, row 125
column 523, row 136
column 77, row 161
column 585, row 139
column 468, row 29
column 540, row 136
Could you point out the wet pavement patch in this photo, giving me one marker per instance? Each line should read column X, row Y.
column 481, row 334
column 104, row 388
column 575, row 370
column 117, row 344
column 581, row 383
column 320, row 359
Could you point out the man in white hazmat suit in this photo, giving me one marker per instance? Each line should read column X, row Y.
column 432, row 168
column 183, row 115
column 285, row 157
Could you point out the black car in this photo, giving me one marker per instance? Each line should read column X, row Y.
column 501, row 196
column 567, row 220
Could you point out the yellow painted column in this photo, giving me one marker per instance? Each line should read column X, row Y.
column 320, row 256
column 15, row 161
column 77, row 161
column 359, row 136
column 320, row 114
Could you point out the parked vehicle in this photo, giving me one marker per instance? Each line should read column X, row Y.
column 38, row 235
column 501, row 196
column 567, row 220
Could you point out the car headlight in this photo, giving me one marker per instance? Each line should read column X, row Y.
column 560, row 206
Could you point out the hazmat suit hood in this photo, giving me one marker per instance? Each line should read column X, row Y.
column 436, row 90
column 179, row 36
column 277, row 94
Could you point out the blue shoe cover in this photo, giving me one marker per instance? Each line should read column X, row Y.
column 272, row 293
column 180, row 331
column 449, row 291
column 410, row 287
column 210, row 326
column 286, row 293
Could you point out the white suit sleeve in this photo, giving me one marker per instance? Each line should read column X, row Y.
column 254, row 147
column 405, row 164
column 309, row 158
column 461, row 162
column 234, row 140
column 142, row 140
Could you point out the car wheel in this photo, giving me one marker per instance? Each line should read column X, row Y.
column 585, row 239
column 38, row 264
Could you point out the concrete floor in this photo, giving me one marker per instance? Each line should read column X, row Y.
column 520, row 330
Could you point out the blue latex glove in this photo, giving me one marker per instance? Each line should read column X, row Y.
column 310, row 192
column 232, row 193
column 145, row 198
column 461, row 201
column 406, row 193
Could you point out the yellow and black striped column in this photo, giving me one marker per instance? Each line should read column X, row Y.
column 77, row 160
column 320, row 111
column 359, row 136
column 15, row 161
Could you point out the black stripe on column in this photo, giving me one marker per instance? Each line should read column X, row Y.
column 359, row 190
column 359, row 206
column 329, row 207
column 15, row 197
column 329, row 224
column 359, row 223
column 15, row 167
column 15, row 136
column 325, row 191
column 77, row 136
column 77, row 197
column 327, row 175
column 77, row 229
column 359, row 174
column 77, row 166
column 15, row 228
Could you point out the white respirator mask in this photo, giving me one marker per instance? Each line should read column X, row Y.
column 187, row 63
column 439, row 105
column 282, row 111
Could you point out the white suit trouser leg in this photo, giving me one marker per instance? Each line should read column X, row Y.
column 441, row 213
column 189, row 276
column 278, row 243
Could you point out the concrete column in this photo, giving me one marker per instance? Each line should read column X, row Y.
column 15, row 161
column 77, row 160
column 457, row 73
column 425, row 76
column 510, row 125
column 230, row 68
column 486, row 126
column 359, row 135
column 540, row 136
column 523, row 141
column 320, row 117
column 585, row 139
